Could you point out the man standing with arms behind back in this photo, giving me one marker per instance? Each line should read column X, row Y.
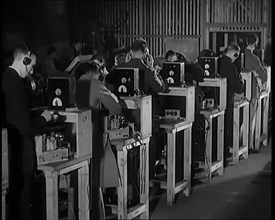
column 259, row 77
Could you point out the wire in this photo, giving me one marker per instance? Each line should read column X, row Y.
column 207, row 161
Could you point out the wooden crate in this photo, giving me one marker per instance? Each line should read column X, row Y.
column 221, row 83
column 173, row 187
column 138, row 110
column 188, row 93
column 79, row 124
column 240, row 132
column 5, row 159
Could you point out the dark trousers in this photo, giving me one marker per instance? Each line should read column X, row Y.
column 228, row 131
column 22, row 166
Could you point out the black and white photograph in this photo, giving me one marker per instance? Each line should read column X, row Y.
column 136, row 109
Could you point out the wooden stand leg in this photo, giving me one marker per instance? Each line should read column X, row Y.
column 220, row 142
column 246, row 130
column 236, row 135
column 144, row 179
column 251, row 127
column 51, row 195
column 122, row 189
column 265, row 119
column 187, row 160
column 4, row 192
column 83, row 196
column 258, row 126
column 171, row 137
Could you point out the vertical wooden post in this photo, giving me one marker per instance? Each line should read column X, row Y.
column 171, row 137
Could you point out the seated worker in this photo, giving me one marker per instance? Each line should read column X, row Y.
column 92, row 93
column 119, row 59
column 235, row 84
column 138, row 57
column 48, row 66
column 74, row 50
column 111, row 47
column 259, row 76
column 171, row 56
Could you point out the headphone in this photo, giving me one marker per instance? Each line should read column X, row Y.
column 27, row 60
column 97, row 66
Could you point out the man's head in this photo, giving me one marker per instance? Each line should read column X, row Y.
column 120, row 58
column 51, row 51
column 252, row 40
column 24, row 61
column 97, row 66
column 140, row 48
column 171, row 56
column 233, row 51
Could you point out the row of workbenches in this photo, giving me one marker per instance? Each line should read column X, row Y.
column 82, row 163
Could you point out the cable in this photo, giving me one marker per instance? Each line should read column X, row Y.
column 207, row 162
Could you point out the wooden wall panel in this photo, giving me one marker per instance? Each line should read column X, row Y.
column 155, row 20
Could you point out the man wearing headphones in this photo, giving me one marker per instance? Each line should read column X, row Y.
column 92, row 93
column 259, row 77
column 21, row 131
column 235, row 84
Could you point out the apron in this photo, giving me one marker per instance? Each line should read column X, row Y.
column 104, row 164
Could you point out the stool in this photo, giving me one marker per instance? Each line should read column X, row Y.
column 218, row 164
column 53, row 170
column 141, row 209
column 236, row 149
column 172, row 127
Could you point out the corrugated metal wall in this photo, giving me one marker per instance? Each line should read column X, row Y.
column 156, row 20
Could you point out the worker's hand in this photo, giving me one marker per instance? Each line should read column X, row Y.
column 128, row 56
column 150, row 61
column 47, row 115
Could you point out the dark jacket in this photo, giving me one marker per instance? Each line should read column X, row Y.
column 235, row 84
column 21, row 128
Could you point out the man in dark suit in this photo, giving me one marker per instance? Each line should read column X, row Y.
column 21, row 131
column 235, row 84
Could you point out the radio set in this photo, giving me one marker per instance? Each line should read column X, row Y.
column 53, row 148
column 70, row 137
column 61, row 92
column 118, row 127
column 208, row 103
column 209, row 66
column 172, row 114
column 129, row 81
column 173, row 72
